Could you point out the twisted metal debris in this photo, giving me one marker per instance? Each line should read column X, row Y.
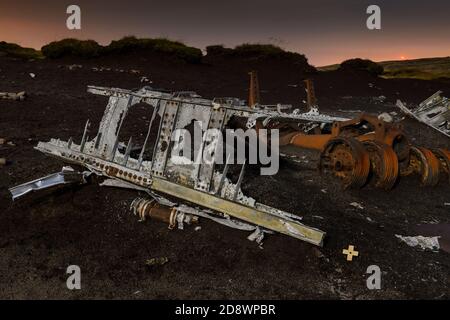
column 193, row 185
column 351, row 149
column 366, row 147
column 13, row 95
column 433, row 111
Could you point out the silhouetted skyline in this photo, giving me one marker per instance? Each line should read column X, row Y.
column 326, row 31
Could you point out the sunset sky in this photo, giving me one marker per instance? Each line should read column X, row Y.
column 326, row 31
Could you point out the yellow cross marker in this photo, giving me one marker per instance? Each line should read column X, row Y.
column 350, row 252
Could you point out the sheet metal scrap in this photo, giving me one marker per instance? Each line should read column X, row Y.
column 66, row 176
column 13, row 96
column 197, row 184
column 434, row 112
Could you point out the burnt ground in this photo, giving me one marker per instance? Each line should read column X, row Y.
column 92, row 226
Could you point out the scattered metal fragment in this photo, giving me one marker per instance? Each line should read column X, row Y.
column 100, row 69
column 357, row 205
column 74, row 66
column 257, row 236
column 157, row 261
column 386, row 117
column 379, row 98
column 66, row 176
column 433, row 111
column 13, row 96
column 424, row 243
column 436, row 228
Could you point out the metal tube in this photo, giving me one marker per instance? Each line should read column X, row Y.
column 127, row 152
column 238, row 184
column 141, row 155
column 83, row 139
column 224, row 175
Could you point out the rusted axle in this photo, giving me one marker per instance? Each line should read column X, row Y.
column 151, row 208
column 353, row 149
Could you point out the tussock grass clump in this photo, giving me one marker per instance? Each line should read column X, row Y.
column 91, row 49
column 175, row 50
column 218, row 49
column 266, row 50
column 15, row 51
column 253, row 50
column 72, row 47
column 159, row 45
column 363, row 64
column 257, row 51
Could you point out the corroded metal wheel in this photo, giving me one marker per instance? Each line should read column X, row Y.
column 424, row 163
column 443, row 156
column 383, row 163
column 346, row 158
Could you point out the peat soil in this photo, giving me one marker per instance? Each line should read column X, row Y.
column 91, row 226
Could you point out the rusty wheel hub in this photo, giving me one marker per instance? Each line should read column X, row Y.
column 424, row 163
column 383, row 163
column 444, row 158
column 346, row 158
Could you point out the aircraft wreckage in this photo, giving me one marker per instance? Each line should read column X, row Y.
column 202, row 190
column 180, row 193
column 358, row 151
column 433, row 111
